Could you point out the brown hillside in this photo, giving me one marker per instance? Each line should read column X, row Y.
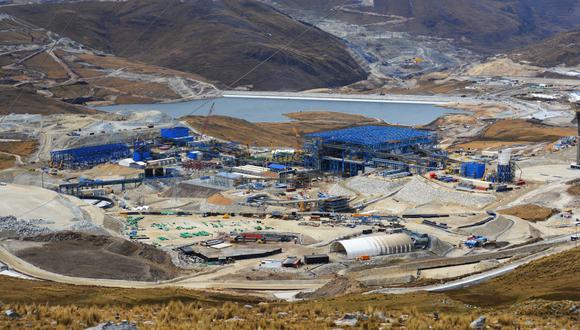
column 505, row 133
column 552, row 278
column 15, row 100
column 220, row 40
column 563, row 48
column 277, row 134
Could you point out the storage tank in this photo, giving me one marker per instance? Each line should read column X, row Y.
column 174, row 132
column 473, row 170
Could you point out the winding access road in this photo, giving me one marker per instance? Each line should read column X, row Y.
column 482, row 277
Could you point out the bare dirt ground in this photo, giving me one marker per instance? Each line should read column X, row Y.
column 106, row 257
column 574, row 190
column 6, row 161
column 530, row 212
column 503, row 67
column 110, row 170
column 21, row 148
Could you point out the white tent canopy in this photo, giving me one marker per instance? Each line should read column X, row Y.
column 373, row 245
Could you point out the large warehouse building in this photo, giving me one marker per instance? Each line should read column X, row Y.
column 373, row 246
column 351, row 150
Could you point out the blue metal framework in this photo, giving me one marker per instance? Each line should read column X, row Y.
column 89, row 156
column 174, row 132
column 141, row 151
column 377, row 138
column 505, row 173
column 348, row 151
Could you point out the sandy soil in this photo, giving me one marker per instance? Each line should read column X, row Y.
column 21, row 148
column 6, row 161
column 503, row 67
column 530, row 212
column 110, row 171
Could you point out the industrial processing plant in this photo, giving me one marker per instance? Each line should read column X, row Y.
column 350, row 151
column 289, row 164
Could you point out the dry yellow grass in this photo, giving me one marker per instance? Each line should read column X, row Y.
column 277, row 134
column 505, row 133
column 45, row 64
column 533, row 296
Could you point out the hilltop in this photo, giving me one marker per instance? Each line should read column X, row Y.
column 563, row 48
column 220, row 40
column 483, row 25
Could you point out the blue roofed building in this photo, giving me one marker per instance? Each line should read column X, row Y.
column 350, row 151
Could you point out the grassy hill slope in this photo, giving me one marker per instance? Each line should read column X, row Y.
column 529, row 297
column 220, row 40
column 563, row 48
column 551, row 278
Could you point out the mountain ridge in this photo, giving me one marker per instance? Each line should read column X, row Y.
column 220, row 40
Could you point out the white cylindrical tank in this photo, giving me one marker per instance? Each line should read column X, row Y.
column 504, row 157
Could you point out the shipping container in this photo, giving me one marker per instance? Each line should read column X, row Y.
column 316, row 259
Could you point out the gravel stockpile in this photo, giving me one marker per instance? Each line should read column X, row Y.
column 419, row 192
column 87, row 227
column 373, row 186
column 15, row 228
column 12, row 227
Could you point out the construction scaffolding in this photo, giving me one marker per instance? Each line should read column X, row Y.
column 89, row 156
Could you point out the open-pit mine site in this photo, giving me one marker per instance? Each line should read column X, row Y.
column 289, row 164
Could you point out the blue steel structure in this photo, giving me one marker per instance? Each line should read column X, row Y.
column 141, row 151
column 348, row 151
column 473, row 170
column 505, row 173
column 178, row 135
column 174, row 132
column 89, row 156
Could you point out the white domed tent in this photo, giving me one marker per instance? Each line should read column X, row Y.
column 373, row 245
